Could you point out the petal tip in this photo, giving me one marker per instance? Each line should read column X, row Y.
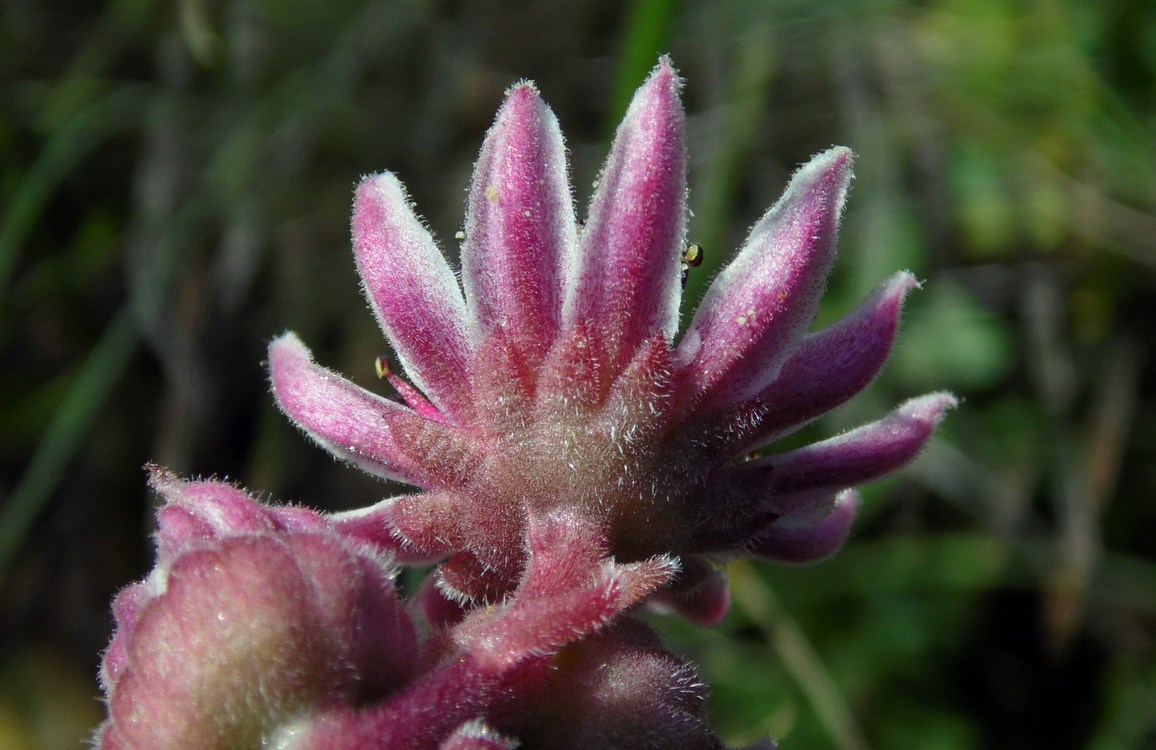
column 665, row 71
column 523, row 88
column 829, row 170
column 931, row 407
column 285, row 349
column 374, row 180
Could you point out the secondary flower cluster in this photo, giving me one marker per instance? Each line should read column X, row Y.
column 572, row 459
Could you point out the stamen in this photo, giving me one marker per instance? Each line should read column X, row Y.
column 691, row 258
column 408, row 393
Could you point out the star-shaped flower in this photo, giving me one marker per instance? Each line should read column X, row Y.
column 551, row 380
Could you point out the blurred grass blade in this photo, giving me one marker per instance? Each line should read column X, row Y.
column 799, row 657
column 82, row 133
column 71, row 423
column 645, row 38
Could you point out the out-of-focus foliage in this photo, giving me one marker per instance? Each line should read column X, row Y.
column 175, row 182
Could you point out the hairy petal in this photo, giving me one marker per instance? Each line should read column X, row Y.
column 467, row 579
column 571, row 382
column 504, row 375
column 415, row 529
column 832, row 365
column 423, row 715
column 858, row 456
column 380, row 436
column 620, row 689
column 249, row 633
column 633, row 241
column 751, row 316
column 414, row 293
column 787, row 543
column 521, row 235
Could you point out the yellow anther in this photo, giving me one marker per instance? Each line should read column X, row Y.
column 381, row 367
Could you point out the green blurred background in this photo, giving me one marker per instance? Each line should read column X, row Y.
column 175, row 185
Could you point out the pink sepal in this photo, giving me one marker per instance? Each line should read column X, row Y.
column 414, row 293
column 786, row 543
column 521, row 236
column 753, row 313
column 832, row 365
column 631, row 247
column 861, row 455
column 381, row 436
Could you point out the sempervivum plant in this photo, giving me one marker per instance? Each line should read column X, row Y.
column 267, row 626
column 573, row 459
column 551, row 377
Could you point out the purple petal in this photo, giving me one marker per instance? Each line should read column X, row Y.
column 633, row 241
column 380, row 436
column 414, row 293
column 808, row 544
column 858, row 456
column 752, row 314
column 834, row 364
column 520, row 232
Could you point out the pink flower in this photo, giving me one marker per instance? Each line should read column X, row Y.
column 551, row 380
column 262, row 625
column 254, row 619
column 574, row 459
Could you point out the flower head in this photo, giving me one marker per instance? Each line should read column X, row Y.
column 551, row 380
column 264, row 625
column 253, row 618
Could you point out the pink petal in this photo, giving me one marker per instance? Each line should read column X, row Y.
column 751, row 316
column 414, row 293
column 521, row 236
column 808, row 544
column 420, row 716
column 834, row 364
column 439, row 611
column 238, row 643
column 538, row 627
column 126, row 609
column 201, row 511
column 355, row 598
column 571, row 383
column 564, row 548
column 543, row 624
column 504, row 384
column 858, row 456
column 636, row 408
column 417, row 529
column 465, row 578
column 380, row 436
column 633, row 241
